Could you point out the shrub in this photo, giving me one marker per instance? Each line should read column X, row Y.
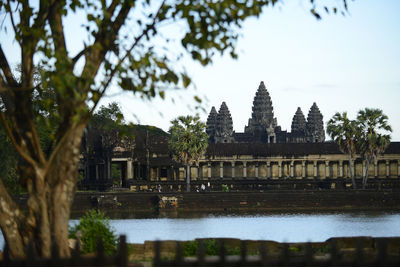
column 211, row 248
column 92, row 226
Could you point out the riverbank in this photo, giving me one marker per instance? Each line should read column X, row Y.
column 142, row 205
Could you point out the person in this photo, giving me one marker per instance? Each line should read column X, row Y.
column 203, row 188
column 208, row 187
column 159, row 188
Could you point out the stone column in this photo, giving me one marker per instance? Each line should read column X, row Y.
column 171, row 174
column 291, row 169
column 244, row 169
column 327, row 170
column 233, row 169
column 340, row 168
column 221, row 169
column 387, row 169
column 303, row 169
column 269, row 174
column 256, row 169
column 280, row 169
column 315, row 169
column 209, row 169
column 398, row 168
column 158, row 178
column 129, row 169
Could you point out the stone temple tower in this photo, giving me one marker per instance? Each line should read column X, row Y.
column 224, row 126
column 262, row 119
column 299, row 128
column 299, row 122
column 315, row 125
column 211, row 124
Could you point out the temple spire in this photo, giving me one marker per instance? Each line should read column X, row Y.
column 299, row 122
column 224, row 126
column 211, row 123
column 262, row 116
column 315, row 125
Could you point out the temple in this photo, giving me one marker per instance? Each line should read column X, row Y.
column 263, row 126
column 263, row 155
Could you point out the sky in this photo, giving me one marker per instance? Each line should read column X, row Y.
column 343, row 63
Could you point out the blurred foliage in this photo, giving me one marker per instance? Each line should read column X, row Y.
column 92, row 226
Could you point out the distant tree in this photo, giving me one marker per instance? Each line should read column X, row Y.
column 188, row 141
column 374, row 136
column 124, row 46
column 106, row 130
column 345, row 132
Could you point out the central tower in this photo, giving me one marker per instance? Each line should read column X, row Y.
column 262, row 121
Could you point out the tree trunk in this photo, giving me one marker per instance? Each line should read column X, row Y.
column 10, row 223
column 351, row 170
column 187, row 178
column 51, row 188
column 365, row 178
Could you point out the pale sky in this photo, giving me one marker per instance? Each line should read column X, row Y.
column 341, row 63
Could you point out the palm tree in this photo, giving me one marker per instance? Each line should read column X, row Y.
column 374, row 137
column 344, row 132
column 188, row 141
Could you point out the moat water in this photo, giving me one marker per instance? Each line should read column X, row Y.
column 277, row 227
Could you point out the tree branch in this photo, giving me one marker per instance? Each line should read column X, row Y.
column 55, row 21
column 104, row 40
column 5, row 67
column 12, row 18
column 19, row 149
column 110, row 10
column 128, row 52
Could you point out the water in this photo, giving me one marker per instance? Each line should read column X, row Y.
column 277, row 227
column 282, row 228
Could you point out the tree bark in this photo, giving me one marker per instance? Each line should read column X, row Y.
column 187, row 178
column 351, row 170
column 51, row 190
column 11, row 224
column 365, row 178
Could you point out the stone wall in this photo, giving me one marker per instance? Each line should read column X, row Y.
column 130, row 205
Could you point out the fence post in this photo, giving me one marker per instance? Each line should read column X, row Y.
column 30, row 257
column 100, row 253
column 309, row 254
column 263, row 253
column 76, row 253
column 200, row 253
column 334, row 253
column 285, row 254
column 243, row 252
column 382, row 252
column 157, row 252
column 123, row 252
column 222, row 251
column 6, row 255
column 178, row 254
column 359, row 252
